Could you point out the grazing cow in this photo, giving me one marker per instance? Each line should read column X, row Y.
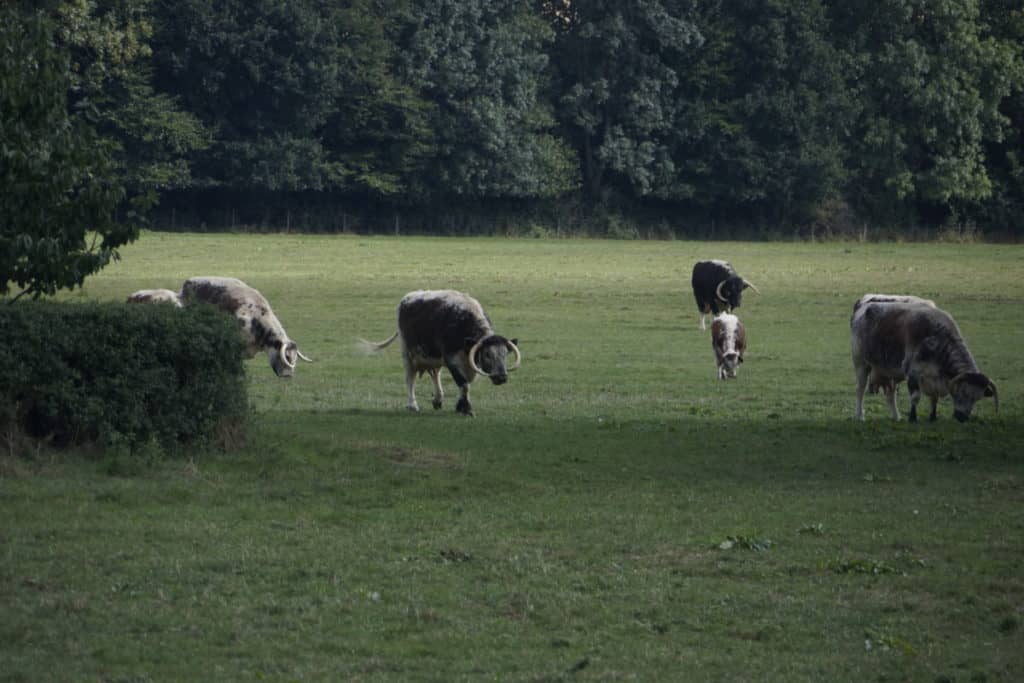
column 877, row 382
column 448, row 328
column 154, row 296
column 729, row 341
column 895, row 340
column 717, row 287
column 260, row 327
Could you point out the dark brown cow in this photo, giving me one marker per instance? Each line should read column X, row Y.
column 912, row 339
column 450, row 329
column 261, row 328
column 717, row 287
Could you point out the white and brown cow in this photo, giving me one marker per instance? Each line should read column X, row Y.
column 450, row 329
column 155, row 296
column 913, row 340
column 260, row 327
column 729, row 341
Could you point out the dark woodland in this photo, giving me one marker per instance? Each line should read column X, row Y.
column 649, row 118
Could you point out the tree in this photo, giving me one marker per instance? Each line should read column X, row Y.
column 58, row 193
column 728, row 108
column 929, row 85
column 483, row 65
column 109, row 42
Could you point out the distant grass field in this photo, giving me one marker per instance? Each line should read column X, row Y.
column 613, row 513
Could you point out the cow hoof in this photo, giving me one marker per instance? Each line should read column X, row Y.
column 436, row 403
column 413, row 409
column 464, row 408
column 912, row 419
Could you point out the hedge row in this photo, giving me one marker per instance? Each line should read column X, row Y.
column 85, row 373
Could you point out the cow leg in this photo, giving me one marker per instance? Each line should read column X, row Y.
column 702, row 325
column 890, row 398
column 935, row 406
column 410, row 384
column 435, row 376
column 862, row 372
column 915, row 396
column 463, row 406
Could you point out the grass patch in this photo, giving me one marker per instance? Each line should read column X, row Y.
column 572, row 530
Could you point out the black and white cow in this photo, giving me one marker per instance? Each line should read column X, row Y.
column 154, row 296
column 448, row 328
column 912, row 339
column 729, row 341
column 717, row 287
column 260, row 327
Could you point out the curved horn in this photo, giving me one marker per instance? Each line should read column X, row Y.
column 519, row 356
column 718, row 291
column 472, row 356
column 303, row 356
column 750, row 284
column 956, row 380
column 284, row 356
column 995, row 393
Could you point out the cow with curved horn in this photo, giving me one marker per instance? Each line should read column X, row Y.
column 717, row 287
column 910, row 338
column 260, row 327
column 450, row 329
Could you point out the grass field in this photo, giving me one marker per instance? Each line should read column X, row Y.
column 613, row 513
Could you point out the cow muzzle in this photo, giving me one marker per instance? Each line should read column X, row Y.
column 960, row 415
column 499, row 378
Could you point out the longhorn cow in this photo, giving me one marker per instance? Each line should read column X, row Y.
column 717, row 287
column 260, row 327
column 450, row 329
column 910, row 338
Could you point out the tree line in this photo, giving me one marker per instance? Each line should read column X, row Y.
column 744, row 117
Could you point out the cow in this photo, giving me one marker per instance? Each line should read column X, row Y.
column 878, row 382
column 717, row 287
column 154, row 296
column 729, row 341
column 914, row 340
column 448, row 328
column 260, row 327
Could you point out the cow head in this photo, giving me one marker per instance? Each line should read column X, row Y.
column 968, row 388
column 730, row 291
column 283, row 357
column 487, row 356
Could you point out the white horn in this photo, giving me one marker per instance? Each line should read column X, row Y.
column 472, row 356
column 284, row 356
column 303, row 356
column 519, row 356
column 718, row 291
column 750, row 284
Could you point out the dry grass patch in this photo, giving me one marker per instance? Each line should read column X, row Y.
column 406, row 456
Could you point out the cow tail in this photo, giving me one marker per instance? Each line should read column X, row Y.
column 369, row 347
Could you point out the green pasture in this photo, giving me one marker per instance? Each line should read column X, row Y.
column 613, row 513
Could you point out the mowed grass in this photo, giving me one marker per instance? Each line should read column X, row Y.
column 613, row 513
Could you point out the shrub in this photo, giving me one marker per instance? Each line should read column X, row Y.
column 116, row 374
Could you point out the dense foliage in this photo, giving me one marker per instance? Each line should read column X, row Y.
column 902, row 114
column 56, row 172
column 119, row 374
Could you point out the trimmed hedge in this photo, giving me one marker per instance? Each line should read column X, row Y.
column 110, row 373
